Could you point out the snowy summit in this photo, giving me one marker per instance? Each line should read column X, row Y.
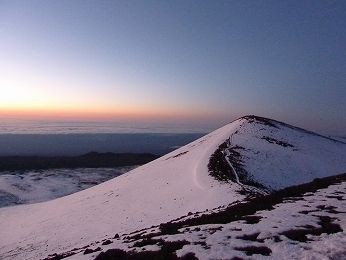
column 204, row 200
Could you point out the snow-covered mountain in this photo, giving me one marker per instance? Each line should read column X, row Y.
column 278, row 155
column 249, row 157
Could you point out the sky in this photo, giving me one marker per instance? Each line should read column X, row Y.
column 175, row 61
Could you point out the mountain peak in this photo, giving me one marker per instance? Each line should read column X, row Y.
column 254, row 153
column 259, row 119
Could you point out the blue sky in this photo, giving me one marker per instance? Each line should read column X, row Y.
column 209, row 61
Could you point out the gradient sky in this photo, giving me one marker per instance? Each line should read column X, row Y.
column 193, row 61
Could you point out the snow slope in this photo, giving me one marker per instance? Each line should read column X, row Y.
column 167, row 188
column 301, row 222
column 159, row 191
column 278, row 155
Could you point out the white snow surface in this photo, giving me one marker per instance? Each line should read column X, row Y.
column 157, row 192
column 224, row 241
column 165, row 189
column 32, row 186
column 312, row 156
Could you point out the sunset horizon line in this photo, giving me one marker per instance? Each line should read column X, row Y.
column 96, row 115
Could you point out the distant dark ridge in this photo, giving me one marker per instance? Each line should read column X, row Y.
column 89, row 160
column 275, row 123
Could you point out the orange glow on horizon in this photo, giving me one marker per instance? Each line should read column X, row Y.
column 34, row 102
column 84, row 113
column 32, row 96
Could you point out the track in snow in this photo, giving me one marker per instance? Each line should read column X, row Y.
column 247, row 188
